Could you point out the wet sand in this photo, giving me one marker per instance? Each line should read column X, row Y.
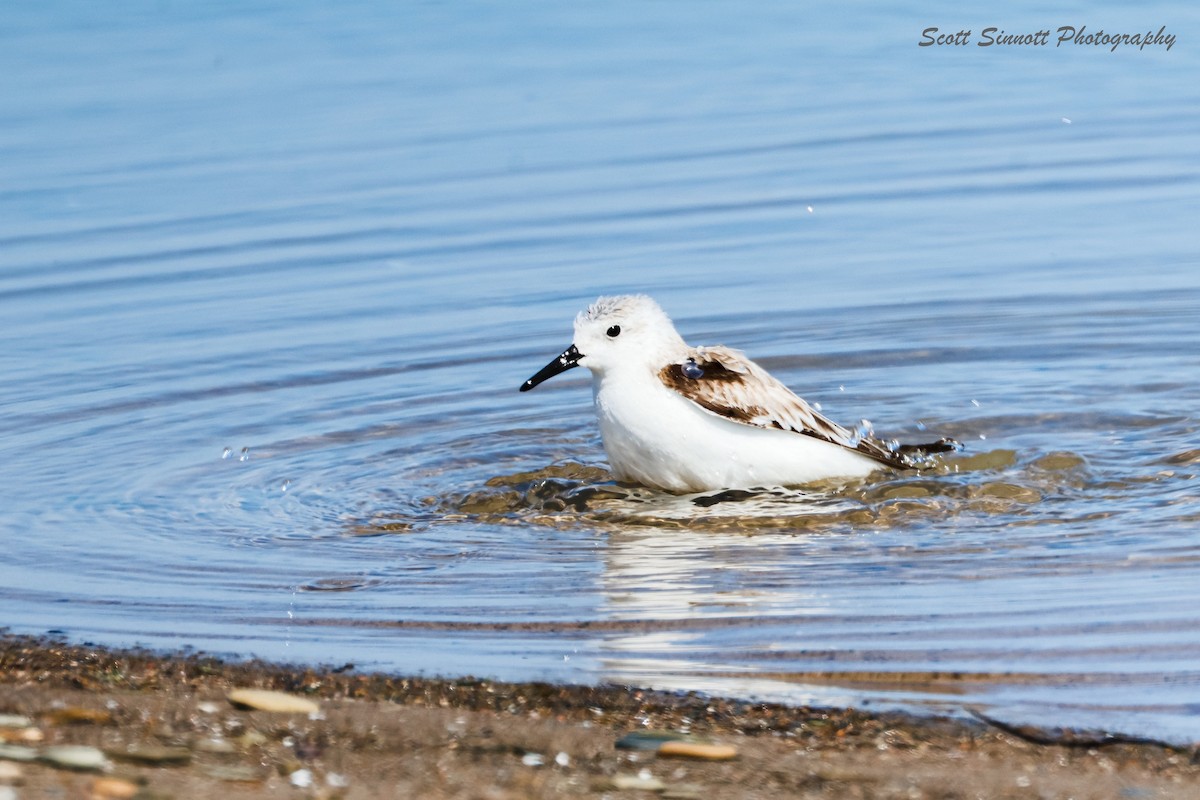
column 167, row 730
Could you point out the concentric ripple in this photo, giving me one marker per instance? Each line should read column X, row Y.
column 271, row 276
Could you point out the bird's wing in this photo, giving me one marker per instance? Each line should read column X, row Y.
column 724, row 382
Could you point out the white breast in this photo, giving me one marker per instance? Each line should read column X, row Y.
column 656, row 437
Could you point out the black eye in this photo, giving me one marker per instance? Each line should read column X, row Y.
column 614, row 331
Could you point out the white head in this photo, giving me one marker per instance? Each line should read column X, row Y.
column 622, row 332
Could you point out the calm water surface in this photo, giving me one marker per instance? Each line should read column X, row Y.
column 270, row 277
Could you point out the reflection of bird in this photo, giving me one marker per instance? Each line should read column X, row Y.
column 698, row 418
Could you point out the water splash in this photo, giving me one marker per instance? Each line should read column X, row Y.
column 571, row 494
column 863, row 430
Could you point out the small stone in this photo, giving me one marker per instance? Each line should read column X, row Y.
column 301, row 778
column 15, row 721
column 533, row 759
column 75, row 756
column 563, row 760
column 1010, row 491
column 153, row 755
column 623, row 781
column 252, row 738
column 267, row 700
column 21, row 735
column 113, row 789
column 992, row 460
column 650, row 740
column 705, row 752
column 10, row 773
column 1059, row 461
column 74, row 715
column 236, row 774
column 16, row 752
column 214, row 745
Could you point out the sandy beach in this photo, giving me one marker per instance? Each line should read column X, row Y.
column 163, row 726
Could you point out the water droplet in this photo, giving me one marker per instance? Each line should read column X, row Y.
column 816, row 406
column 893, row 445
column 692, row 370
column 983, row 436
column 920, row 425
column 227, row 452
column 245, row 456
column 287, row 484
column 860, row 432
column 810, row 209
column 1067, row 121
column 975, row 403
column 841, row 388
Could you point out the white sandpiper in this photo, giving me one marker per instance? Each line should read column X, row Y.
column 691, row 419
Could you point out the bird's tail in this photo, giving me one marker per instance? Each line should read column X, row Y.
column 914, row 453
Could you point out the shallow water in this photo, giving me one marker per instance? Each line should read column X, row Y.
column 271, row 276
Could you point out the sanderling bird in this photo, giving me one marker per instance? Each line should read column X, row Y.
column 691, row 419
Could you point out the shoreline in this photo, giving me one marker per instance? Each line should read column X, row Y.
column 167, row 729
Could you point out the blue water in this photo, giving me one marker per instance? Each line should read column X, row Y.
column 270, row 275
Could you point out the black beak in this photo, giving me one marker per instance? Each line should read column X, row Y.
column 569, row 358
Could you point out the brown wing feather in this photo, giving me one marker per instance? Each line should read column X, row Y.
column 726, row 383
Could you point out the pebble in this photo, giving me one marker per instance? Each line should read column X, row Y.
column 267, row 700
column 27, row 735
column 15, row 721
column 301, row 778
column 235, row 774
column 214, row 745
column 252, row 738
column 533, row 759
column 113, row 789
column 10, row 773
column 75, row 756
column 153, row 755
column 706, row 752
column 649, row 740
column 74, row 715
column 626, row 782
column 16, row 752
